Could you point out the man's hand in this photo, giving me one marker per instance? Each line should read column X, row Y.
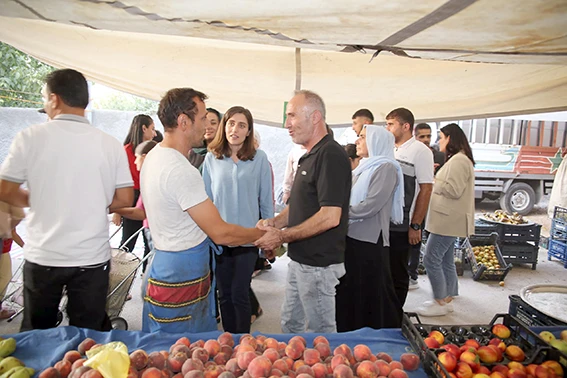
column 269, row 254
column 265, row 224
column 414, row 236
column 116, row 219
column 271, row 240
column 285, row 197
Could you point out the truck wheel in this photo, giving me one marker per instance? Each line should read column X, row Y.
column 519, row 198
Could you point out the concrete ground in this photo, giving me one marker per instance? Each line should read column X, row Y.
column 478, row 302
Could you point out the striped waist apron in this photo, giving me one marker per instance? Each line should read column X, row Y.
column 177, row 294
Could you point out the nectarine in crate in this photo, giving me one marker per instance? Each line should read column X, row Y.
column 464, row 350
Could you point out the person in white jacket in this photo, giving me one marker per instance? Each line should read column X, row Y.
column 558, row 195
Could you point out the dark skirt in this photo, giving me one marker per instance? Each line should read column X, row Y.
column 366, row 296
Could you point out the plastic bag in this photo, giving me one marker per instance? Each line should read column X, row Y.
column 111, row 360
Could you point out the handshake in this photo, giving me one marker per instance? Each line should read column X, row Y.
column 272, row 239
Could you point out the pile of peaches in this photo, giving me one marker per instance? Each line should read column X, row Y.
column 496, row 359
column 253, row 357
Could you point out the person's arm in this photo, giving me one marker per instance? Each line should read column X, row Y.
column 279, row 221
column 381, row 188
column 133, row 213
column 424, row 175
column 13, row 194
column 421, row 203
column 288, row 177
column 17, row 239
column 123, row 197
column 456, row 174
column 207, row 217
column 266, row 195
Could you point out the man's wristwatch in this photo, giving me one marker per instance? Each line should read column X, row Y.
column 415, row 226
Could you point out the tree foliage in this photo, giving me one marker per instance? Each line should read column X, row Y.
column 21, row 78
column 116, row 100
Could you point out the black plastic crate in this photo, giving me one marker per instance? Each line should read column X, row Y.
column 520, row 253
column 485, row 228
column 560, row 213
column 558, row 250
column 520, row 234
column 529, row 315
column 535, row 349
column 481, row 271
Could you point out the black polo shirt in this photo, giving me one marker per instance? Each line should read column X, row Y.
column 323, row 178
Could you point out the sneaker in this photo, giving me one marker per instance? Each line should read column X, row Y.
column 432, row 308
column 450, row 306
column 413, row 284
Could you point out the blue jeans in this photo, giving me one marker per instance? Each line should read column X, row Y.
column 439, row 261
column 309, row 303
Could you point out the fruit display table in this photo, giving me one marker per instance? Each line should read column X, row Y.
column 40, row 349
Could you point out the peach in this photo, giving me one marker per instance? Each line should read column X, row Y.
column 555, row 366
column 320, row 339
column 463, row 370
column 305, row 369
column 516, row 373
column 383, row 367
column 384, row 356
column 530, row 369
column 157, row 360
column 194, row 374
column 396, row 365
column 471, row 359
column 272, row 354
column 410, row 361
column 398, row 373
column 176, row 348
column 431, row 342
column 367, row 369
column 437, row 336
column 487, row 354
column 276, row 373
column 311, row 356
column 64, row 368
column 344, row 350
column 281, row 345
column 242, row 349
column 342, row 371
column 483, row 370
column 288, row 361
column 543, row 372
column 213, row 371
column 212, row 347
column 197, row 344
column 481, row 375
column 319, row 370
column 294, row 349
column 139, row 359
column 516, row 365
column 304, row 376
column 176, row 361
column 323, row 349
column 270, row 342
column 298, row 338
column 499, row 353
column 92, row 373
column 297, row 364
column 515, row 353
column 79, row 372
column 498, row 343
column 200, row 354
column 290, row 374
column 362, row 352
column 501, row 331
column 232, row 366
column 192, row 364
column 86, row 345
column 501, row 369
column 453, row 349
column 226, row 349
column 77, row 364
column 259, row 367
column 249, row 340
column 220, row 359
column 184, row 340
column 472, row 343
column 132, row 372
column 448, row 360
column 50, row 372
column 245, row 358
column 281, row 365
column 226, row 338
column 497, row 374
column 339, row 359
column 467, row 348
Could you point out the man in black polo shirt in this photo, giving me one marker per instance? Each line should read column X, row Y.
column 316, row 220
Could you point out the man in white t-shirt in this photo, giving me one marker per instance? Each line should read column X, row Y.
column 178, row 296
column 75, row 175
column 416, row 161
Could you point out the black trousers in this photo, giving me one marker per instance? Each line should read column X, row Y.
column 87, row 288
column 399, row 254
column 415, row 252
column 129, row 228
column 234, row 274
column 365, row 296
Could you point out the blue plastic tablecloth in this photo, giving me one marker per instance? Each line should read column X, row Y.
column 40, row 349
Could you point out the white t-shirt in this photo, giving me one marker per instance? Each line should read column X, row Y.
column 170, row 185
column 72, row 171
column 416, row 161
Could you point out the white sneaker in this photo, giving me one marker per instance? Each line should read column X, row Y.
column 432, row 308
column 413, row 284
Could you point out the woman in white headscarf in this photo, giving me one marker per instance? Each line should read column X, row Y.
column 366, row 296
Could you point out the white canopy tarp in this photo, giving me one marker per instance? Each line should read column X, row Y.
column 451, row 59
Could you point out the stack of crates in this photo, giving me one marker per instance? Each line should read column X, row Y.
column 557, row 247
column 519, row 244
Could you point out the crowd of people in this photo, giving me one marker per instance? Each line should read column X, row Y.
column 204, row 195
